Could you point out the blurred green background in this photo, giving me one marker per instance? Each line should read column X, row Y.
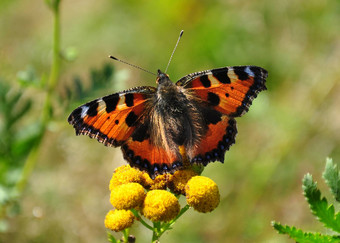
column 54, row 185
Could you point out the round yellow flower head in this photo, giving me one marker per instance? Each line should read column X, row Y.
column 179, row 180
column 118, row 220
column 127, row 196
column 202, row 194
column 125, row 174
column 160, row 205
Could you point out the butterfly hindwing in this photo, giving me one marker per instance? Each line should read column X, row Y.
column 219, row 137
column 113, row 118
column 229, row 90
column 151, row 158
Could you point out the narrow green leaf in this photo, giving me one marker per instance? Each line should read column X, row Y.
column 319, row 206
column 332, row 178
column 304, row 237
column 22, row 110
column 111, row 238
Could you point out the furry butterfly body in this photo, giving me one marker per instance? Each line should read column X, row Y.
column 160, row 128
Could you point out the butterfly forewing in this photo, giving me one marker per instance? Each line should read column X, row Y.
column 229, row 90
column 113, row 118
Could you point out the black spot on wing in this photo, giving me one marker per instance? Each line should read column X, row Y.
column 213, row 99
column 205, row 81
column 131, row 119
column 211, row 116
column 111, row 102
column 221, row 75
column 141, row 133
column 241, row 73
column 93, row 106
column 129, row 100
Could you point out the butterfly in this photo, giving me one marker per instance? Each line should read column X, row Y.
column 158, row 129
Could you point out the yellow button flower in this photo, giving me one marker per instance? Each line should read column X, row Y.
column 127, row 196
column 160, row 205
column 118, row 220
column 179, row 180
column 202, row 194
column 125, row 174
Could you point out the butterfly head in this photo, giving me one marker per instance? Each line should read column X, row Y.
column 162, row 78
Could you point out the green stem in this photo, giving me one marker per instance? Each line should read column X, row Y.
column 28, row 168
column 167, row 226
column 156, row 231
column 54, row 75
column 135, row 213
column 46, row 112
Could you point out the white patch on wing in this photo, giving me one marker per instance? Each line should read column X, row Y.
column 84, row 110
column 247, row 70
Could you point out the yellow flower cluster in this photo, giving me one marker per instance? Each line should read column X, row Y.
column 133, row 189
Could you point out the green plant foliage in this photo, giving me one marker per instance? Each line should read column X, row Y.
column 332, row 178
column 20, row 135
column 16, row 139
column 99, row 79
column 319, row 206
column 304, row 237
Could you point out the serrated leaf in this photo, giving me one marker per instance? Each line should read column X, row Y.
column 332, row 178
column 319, row 206
column 304, row 237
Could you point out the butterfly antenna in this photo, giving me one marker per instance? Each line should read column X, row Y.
column 132, row 65
column 180, row 35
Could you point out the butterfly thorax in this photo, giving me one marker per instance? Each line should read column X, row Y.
column 176, row 118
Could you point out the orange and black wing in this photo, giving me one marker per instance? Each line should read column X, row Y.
column 155, row 160
column 112, row 119
column 226, row 93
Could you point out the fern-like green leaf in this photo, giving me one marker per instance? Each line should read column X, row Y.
column 319, row 206
column 332, row 178
column 304, row 237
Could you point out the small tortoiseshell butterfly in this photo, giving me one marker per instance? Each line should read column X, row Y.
column 158, row 129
